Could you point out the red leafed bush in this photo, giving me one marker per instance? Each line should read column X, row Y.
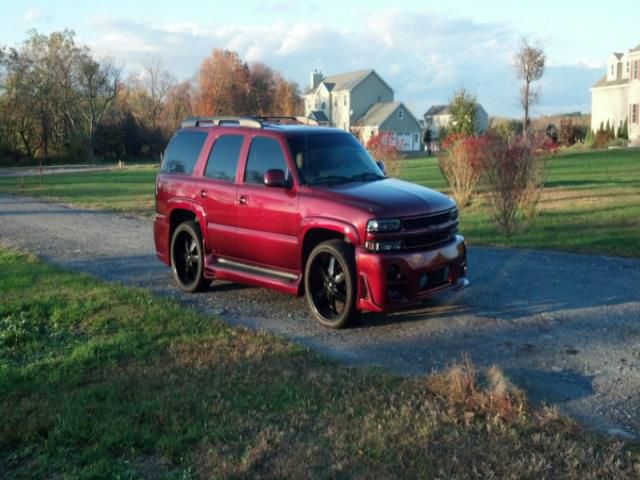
column 384, row 148
column 514, row 173
column 461, row 164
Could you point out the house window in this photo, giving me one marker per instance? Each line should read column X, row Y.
column 379, row 98
column 323, row 106
column 401, row 112
column 627, row 67
column 634, row 113
column 635, row 70
column 344, row 100
column 415, row 135
column 611, row 70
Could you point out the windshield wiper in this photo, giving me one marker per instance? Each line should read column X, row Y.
column 363, row 177
column 330, row 179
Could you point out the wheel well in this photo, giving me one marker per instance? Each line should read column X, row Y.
column 179, row 216
column 314, row 237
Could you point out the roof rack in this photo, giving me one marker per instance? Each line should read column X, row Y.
column 246, row 121
column 295, row 118
column 250, row 122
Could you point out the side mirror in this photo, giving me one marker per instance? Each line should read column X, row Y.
column 275, row 178
column 380, row 165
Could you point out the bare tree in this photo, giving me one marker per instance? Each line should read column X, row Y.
column 529, row 63
column 156, row 82
column 99, row 83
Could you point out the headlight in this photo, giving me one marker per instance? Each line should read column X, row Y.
column 384, row 225
column 385, row 246
column 453, row 214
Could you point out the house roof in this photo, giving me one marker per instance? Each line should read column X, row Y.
column 319, row 115
column 637, row 49
column 345, row 81
column 437, row 110
column 618, row 55
column 603, row 82
column 378, row 113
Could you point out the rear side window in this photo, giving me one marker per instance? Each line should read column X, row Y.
column 223, row 159
column 265, row 154
column 182, row 153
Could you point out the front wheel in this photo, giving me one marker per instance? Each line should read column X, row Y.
column 330, row 283
column 187, row 257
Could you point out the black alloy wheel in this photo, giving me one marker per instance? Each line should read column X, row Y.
column 330, row 283
column 187, row 257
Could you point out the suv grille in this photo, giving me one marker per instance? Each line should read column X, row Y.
column 428, row 221
column 444, row 226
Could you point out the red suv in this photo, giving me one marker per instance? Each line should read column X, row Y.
column 284, row 204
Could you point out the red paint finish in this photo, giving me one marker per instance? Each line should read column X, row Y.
column 271, row 229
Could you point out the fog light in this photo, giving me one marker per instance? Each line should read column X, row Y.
column 386, row 246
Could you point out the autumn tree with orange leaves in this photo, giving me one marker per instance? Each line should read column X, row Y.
column 228, row 86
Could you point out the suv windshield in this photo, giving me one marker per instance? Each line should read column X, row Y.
column 330, row 158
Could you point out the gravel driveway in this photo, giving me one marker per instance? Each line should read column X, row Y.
column 565, row 327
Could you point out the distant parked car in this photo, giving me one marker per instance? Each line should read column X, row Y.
column 284, row 204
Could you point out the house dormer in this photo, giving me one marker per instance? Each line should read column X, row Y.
column 615, row 67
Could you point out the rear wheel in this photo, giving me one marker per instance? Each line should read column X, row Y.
column 187, row 257
column 330, row 283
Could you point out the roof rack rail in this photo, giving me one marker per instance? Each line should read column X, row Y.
column 250, row 122
column 295, row 118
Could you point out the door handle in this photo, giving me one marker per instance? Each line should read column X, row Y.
column 203, row 193
column 243, row 200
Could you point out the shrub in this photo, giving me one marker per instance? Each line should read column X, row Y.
column 602, row 139
column 384, row 148
column 514, row 174
column 461, row 165
column 589, row 138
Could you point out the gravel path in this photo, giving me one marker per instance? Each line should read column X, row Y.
column 566, row 327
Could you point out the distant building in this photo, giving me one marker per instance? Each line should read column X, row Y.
column 439, row 116
column 616, row 97
column 361, row 102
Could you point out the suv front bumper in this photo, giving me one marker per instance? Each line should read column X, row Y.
column 388, row 281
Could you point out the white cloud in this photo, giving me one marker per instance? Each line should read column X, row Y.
column 423, row 56
column 35, row 15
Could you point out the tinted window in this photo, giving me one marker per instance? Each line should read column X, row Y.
column 182, row 153
column 223, row 160
column 334, row 157
column 265, row 154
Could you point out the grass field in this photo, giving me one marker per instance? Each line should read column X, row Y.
column 101, row 381
column 591, row 203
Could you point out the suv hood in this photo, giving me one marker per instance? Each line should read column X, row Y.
column 388, row 198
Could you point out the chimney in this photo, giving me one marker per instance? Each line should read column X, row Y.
column 316, row 78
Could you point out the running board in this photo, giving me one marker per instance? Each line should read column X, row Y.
column 223, row 269
column 266, row 272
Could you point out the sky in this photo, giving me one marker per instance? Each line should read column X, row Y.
column 426, row 50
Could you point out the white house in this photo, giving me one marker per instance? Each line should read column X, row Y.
column 616, row 97
column 439, row 116
column 361, row 102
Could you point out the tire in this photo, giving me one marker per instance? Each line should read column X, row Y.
column 187, row 257
column 330, row 285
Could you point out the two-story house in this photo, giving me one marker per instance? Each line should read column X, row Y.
column 616, row 97
column 439, row 116
column 362, row 103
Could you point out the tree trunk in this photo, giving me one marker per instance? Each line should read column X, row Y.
column 525, row 126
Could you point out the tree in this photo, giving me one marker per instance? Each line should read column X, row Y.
column 529, row 63
column 98, row 86
column 463, row 108
column 223, row 85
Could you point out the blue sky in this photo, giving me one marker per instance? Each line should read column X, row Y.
column 424, row 49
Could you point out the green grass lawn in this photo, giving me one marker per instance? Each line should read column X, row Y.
column 591, row 203
column 102, row 381
column 128, row 191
